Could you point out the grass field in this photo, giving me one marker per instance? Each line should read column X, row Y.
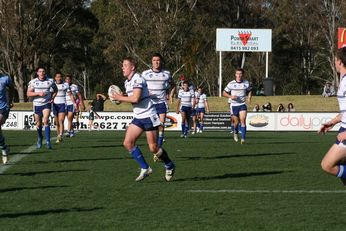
column 273, row 182
column 306, row 103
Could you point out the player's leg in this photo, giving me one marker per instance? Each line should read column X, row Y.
column 334, row 162
column 242, row 117
column 46, row 126
column 61, row 117
column 235, row 120
column 201, row 121
column 161, row 134
column 183, row 123
column 194, row 121
column 38, row 122
column 69, row 124
column 132, row 134
column 3, row 146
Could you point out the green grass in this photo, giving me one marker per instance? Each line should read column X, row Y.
column 306, row 103
column 88, row 184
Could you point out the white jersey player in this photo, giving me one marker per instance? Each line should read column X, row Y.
column 43, row 90
column 160, row 84
column 145, row 120
column 185, row 104
column 59, row 104
column 237, row 90
column 334, row 160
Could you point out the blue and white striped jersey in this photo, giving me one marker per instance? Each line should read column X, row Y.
column 341, row 95
column 74, row 89
column 60, row 97
column 47, row 85
column 144, row 108
column 158, row 84
column 201, row 100
column 240, row 89
column 186, row 97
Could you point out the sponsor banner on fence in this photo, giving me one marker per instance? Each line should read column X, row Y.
column 24, row 120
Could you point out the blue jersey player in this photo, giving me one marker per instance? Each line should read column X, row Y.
column 237, row 90
column 145, row 120
column 5, row 105
column 43, row 90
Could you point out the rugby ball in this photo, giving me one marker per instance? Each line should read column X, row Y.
column 114, row 89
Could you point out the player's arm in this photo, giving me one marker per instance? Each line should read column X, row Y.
column 135, row 98
column 172, row 90
column 55, row 92
column 81, row 100
column 249, row 96
column 178, row 106
column 330, row 124
column 228, row 95
column 206, row 105
column 193, row 101
column 10, row 91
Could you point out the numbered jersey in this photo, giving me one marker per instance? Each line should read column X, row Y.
column 158, row 84
column 74, row 90
column 144, row 108
column 239, row 89
column 60, row 97
column 5, row 81
column 47, row 86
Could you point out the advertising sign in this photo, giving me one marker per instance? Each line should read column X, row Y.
column 244, row 40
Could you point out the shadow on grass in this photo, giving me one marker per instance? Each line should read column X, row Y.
column 49, row 211
column 235, row 156
column 43, row 172
column 31, row 188
column 230, row 175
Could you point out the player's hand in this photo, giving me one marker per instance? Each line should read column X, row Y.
column 326, row 127
column 11, row 105
column 115, row 96
column 41, row 93
column 341, row 136
column 177, row 111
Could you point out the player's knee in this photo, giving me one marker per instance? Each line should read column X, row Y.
column 128, row 145
column 153, row 148
column 326, row 166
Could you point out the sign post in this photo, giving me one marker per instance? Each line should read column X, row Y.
column 243, row 40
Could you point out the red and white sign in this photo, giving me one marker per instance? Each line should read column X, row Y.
column 341, row 37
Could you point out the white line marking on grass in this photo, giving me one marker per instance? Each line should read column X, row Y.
column 16, row 158
column 268, row 191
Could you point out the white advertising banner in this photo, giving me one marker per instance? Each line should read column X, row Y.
column 244, row 40
column 216, row 121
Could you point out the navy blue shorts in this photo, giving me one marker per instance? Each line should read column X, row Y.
column 161, row 108
column 187, row 110
column 70, row 108
column 237, row 109
column 58, row 108
column 343, row 143
column 38, row 110
column 200, row 110
column 147, row 124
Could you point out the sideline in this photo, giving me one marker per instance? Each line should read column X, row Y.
column 13, row 159
column 268, row 191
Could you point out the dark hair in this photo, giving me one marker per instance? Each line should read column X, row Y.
column 240, row 69
column 68, row 76
column 186, row 82
column 341, row 54
column 58, row 73
column 131, row 60
column 40, row 67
